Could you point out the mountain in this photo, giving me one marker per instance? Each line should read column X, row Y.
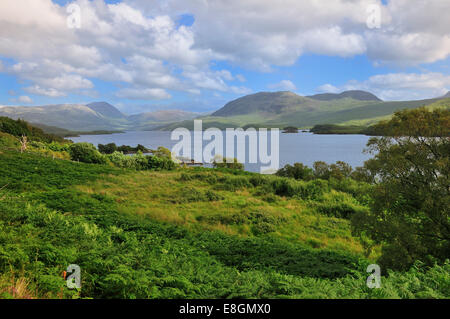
column 283, row 109
column 68, row 116
column 265, row 103
column 356, row 95
column 446, row 95
column 264, row 109
column 97, row 116
column 149, row 120
column 106, row 110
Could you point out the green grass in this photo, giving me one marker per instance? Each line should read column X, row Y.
column 190, row 233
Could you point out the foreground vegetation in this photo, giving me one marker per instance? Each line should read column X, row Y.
column 143, row 227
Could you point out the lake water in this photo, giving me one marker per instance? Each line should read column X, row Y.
column 305, row 148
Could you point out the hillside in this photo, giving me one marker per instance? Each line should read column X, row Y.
column 106, row 109
column 187, row 233
column 74, row 117
column 282, row 109
column 167, row 231
column 264, row 109
column 265, row 103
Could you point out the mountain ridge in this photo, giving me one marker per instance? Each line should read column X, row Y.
column 358, row 107
column 262, row 109
column 92, row 117
column 354, row 94
column 106, row 109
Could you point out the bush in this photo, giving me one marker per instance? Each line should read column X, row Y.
column 160, row 163
column 86, row 153
column 108, row 148
column 339, row 205
column 300, row 189
column 297, row 171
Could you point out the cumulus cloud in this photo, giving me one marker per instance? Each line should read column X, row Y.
column 139, row 44
column 398, row 86
column 143, row 94
column 263, row 33
column 25, row 99
column 22, row 99
column 284, row 85
column 327, row 88
column 49, row 92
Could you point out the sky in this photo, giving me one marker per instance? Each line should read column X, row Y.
column 196, row 55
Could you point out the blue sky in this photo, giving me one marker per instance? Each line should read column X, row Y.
column 150, row 55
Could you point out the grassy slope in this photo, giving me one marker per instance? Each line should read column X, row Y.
column 190, row 233
column 430, row 104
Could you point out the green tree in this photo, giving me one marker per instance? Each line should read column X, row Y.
column 108, row 148
column 297, row 171
column 162, row 152
column 321, row 170
column 340, row 170
column 410, row 208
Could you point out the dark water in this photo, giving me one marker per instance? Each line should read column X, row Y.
column 305, row 148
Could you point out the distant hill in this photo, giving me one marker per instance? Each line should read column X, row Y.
column 264, row 109
column 356, row 95
column 446, row 95
column 75, row 117
column 148, row 120
column 265, row 103
column 282, row 109
column 97, row 116
column 106, row 110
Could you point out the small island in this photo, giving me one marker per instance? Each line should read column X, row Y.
column 290, row 129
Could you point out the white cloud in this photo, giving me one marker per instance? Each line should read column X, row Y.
column 143, row 94
column 284, row 85
column 36, row 89
column 263, row 33
column 139, row 43
column 25, row 99
column 327, row 88
column 399, row 86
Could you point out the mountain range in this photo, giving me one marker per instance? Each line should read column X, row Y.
column 93, row 117
column 263, row 109
column 283, row 109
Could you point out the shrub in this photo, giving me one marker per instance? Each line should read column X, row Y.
column 297, row 171
column 108, row 148
column 262, row 228
column 339, row 205
column 233, row 183
column 160, row 163
column 86, row 153
column 299, row 189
